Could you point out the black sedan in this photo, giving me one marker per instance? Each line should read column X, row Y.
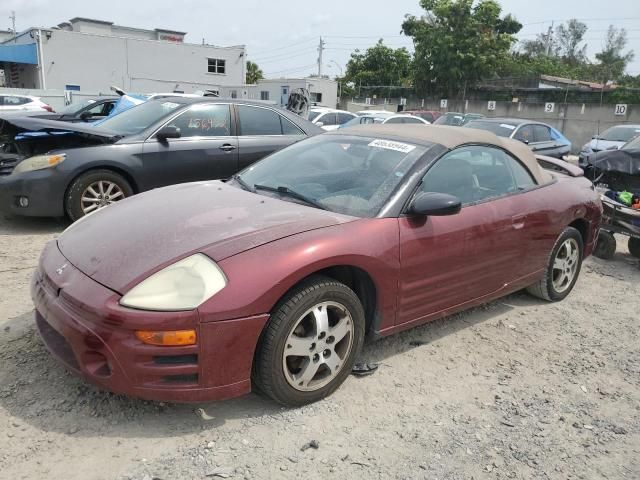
column 543, row 139
column 52, row 168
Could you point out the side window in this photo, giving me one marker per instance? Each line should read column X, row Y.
column 395, row 120
column 523, row 178
column 344, row 118
column 411, row 120
column 328, row 119
column 108, row 107
column 525, row 134
column 472, row 174
column 258, row 121
column 204, row 121
column 541, row 133
column 96, row 110
column 288, row 128
column 13, row 101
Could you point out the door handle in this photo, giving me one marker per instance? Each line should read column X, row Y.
column 227, row 147
column 517, row 221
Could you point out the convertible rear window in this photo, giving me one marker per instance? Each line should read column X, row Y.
column 345, row 174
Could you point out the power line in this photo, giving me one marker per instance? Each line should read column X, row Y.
column 297, row 44
column 583, row 20
column 282, row 55
column 294, row 69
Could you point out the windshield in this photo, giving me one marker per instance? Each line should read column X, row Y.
column 453, row 119
column 140, row 117
column 620, row 134
column 633, row 144
column 345, row 174
column 313, row 115
column 364, row 120
column 74, row 107
column 500, row 129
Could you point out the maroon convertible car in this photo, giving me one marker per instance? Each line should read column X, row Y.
column 200, row 291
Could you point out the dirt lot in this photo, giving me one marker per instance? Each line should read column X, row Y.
column 516, row 389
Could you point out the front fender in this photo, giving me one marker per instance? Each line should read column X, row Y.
column 259, row 277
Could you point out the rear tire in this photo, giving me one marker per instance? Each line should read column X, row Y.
column 93, row 190
column 605, row 246
column 563, row 268
column 634, row 246
column 310, row 344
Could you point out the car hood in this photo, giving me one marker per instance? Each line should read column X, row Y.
column 11, row 126
column 121, row 245
column 597, row 145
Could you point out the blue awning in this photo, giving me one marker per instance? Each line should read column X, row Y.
column 19, row 53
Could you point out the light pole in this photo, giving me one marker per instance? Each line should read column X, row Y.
column 341, row 73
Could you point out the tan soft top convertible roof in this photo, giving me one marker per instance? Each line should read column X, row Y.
column 452, row 137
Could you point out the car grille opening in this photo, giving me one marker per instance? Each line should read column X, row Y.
column 7, row 163
column 176, row 360
column 187, row 378
column 56, row 342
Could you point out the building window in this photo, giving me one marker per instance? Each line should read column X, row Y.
column 316, row 97
column 264, row 95
column 234, row 94
column 216, row 65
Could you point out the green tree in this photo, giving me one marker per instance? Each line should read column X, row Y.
column 568, row 40
column 253, row 73
column 378, row 66
column 612, row 60
column 458, row 43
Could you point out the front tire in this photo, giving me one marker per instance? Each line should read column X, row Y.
column 634, row 246
column 563, row 268
column 310, row 344
column 605, row 246
column 94, row 190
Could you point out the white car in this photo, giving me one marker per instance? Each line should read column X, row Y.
column 329, row 118
column 384, row 117
column 15, row 103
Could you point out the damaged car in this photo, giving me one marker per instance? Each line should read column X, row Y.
column 272, row 280
column 52, row 169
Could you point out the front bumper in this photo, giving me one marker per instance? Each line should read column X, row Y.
column 84, row 327
column 43, row 189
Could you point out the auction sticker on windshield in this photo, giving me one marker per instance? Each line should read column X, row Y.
column 396, row 146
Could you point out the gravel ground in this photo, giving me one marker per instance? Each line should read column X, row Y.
column 518, row 388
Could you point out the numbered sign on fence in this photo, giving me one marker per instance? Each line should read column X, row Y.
column 443, row 103
column 621, row 109
column 491, row 105
column 549, row 107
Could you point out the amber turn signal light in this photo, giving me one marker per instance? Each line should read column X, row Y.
column 171, row 338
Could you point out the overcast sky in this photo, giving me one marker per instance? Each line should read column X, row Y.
column 282, row 36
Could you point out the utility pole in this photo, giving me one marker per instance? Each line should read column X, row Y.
column 13, row 22
column 320, row 51
column 549, row 40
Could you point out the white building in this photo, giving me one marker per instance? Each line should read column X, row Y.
column 91, row 55
column 323, row 91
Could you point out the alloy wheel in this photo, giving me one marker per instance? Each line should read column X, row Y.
column 100, row 194
column 317, row 346
column 565, row 265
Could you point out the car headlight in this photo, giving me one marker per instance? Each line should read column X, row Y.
column 39, row 162
column 184, row 285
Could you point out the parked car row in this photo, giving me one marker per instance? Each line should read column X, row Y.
column 52, row 168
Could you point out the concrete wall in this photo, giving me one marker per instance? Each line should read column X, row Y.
column 94, row 62
column 578, row 122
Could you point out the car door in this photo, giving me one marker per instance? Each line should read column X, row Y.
column 450, row 260
column 544, row 143
column 329, row 121
column 261, row 131
column 206, row 149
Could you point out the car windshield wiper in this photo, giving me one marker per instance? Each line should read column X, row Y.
column 242, row 183
column 290, row 193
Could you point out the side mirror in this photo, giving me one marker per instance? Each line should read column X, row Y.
column 86, row 116
column 168, row 131
column 524, row 140
column 436, row 204
column 320, row 124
